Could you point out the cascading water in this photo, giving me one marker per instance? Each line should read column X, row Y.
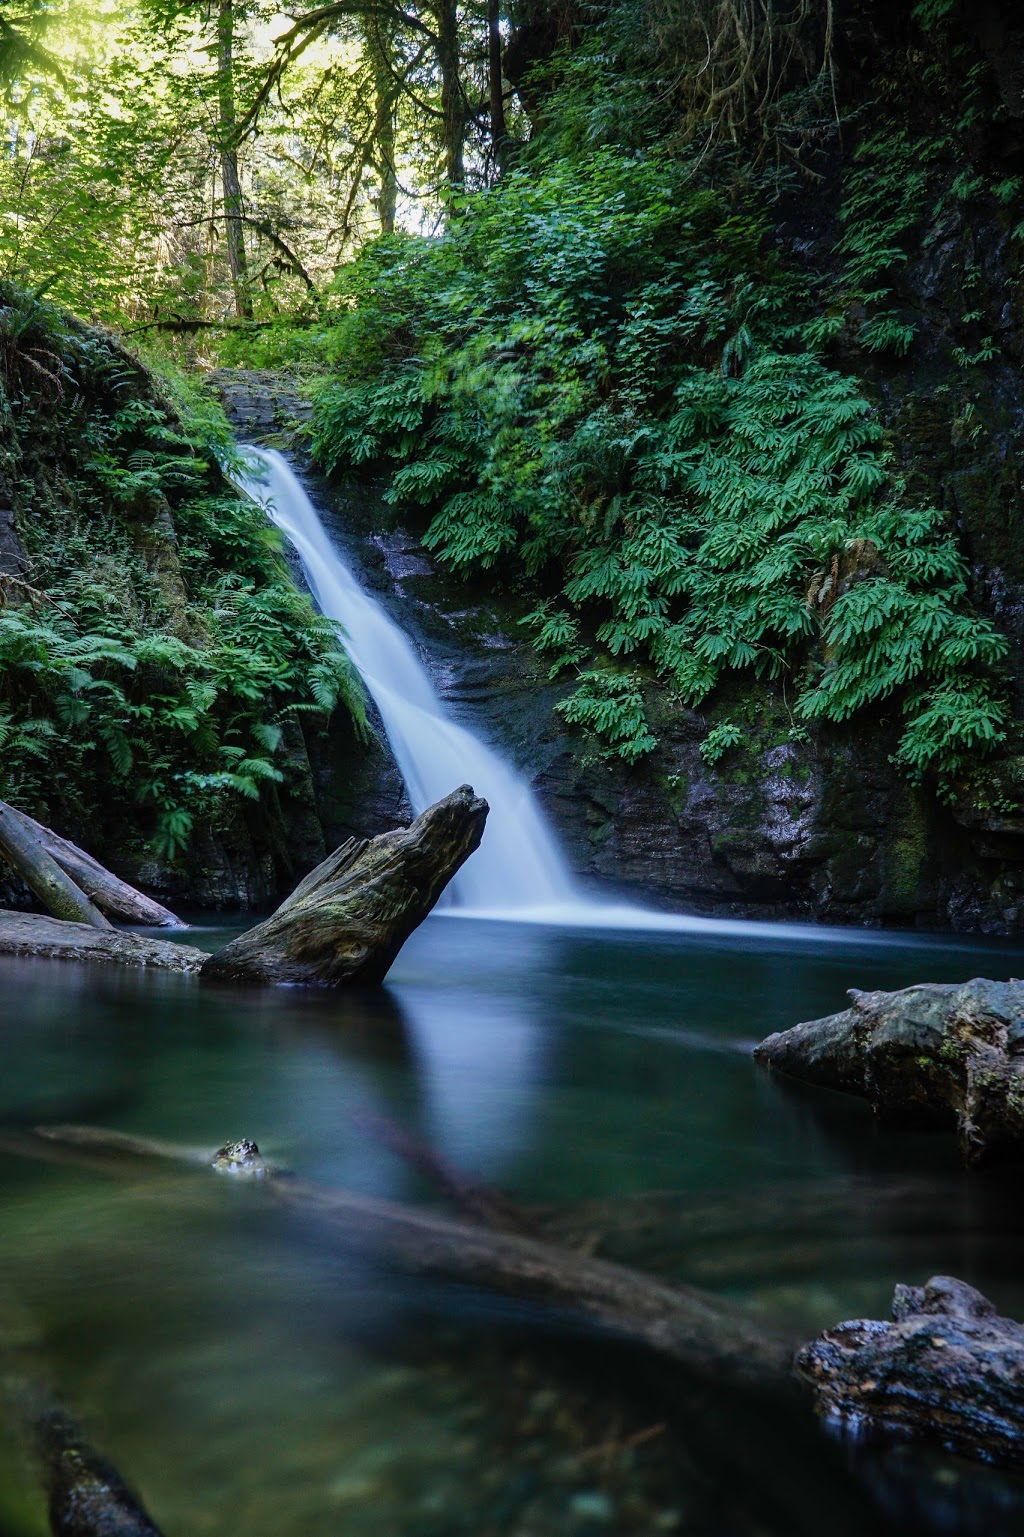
column 518, row 866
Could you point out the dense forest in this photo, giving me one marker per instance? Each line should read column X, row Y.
column 687, row 330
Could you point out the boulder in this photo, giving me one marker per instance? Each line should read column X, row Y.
column 933, row 1055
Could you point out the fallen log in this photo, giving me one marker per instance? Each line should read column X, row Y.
column 34, row 934
column 86, row 1495
column 681, row 1324
column 939, row 1054
column 107, row 891
column 43, row 875
column 347, row 921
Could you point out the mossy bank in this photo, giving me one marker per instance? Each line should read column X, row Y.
column 160, row 672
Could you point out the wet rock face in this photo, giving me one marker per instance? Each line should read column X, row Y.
column 935, row 1055
column 263, row 407
column 947, row 1369
column 13, row 560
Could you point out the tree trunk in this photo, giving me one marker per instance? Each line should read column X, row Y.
column 42, row 874
column 228, row 137
column 453, row 101
column 385, row 87
column 347, row 921
column 499, row 130
column 110, row 894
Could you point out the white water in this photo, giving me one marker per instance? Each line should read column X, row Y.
column 518, row 866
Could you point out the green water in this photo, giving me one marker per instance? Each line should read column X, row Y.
column 250, row 1377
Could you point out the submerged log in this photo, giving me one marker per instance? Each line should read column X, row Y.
column 108, row 892
column 681, row 1324
column 34, row 934
column 87, row 1495
column 42, row 874
column 347, row 921
column 946, row 1369
column 933, row 1055
column 480, row 1203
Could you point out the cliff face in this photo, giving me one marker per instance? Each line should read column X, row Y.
column 815, row 821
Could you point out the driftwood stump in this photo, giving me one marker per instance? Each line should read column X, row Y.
column 347, row 921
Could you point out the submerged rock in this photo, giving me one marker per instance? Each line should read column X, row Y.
column 88, row 1497
column 934, row 1055
column 946, row 1369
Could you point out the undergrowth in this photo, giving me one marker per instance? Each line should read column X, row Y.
column 602, row 387
column 155, row 657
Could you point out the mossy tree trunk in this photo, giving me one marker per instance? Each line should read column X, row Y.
column 228, row 136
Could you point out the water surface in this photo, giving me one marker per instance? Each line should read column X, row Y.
column 251, row 1377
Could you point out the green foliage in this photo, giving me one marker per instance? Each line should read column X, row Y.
column 719, row 740
column 597, row 388
column 158, row 648
column 610, row 705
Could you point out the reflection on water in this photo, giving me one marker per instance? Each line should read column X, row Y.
column 250, row 1376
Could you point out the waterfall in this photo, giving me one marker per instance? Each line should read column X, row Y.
column 518, row 866
column 518, row 871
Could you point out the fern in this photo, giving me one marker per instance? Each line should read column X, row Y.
column 598, row 388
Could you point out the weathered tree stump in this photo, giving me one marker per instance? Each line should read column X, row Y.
column 347, row 921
